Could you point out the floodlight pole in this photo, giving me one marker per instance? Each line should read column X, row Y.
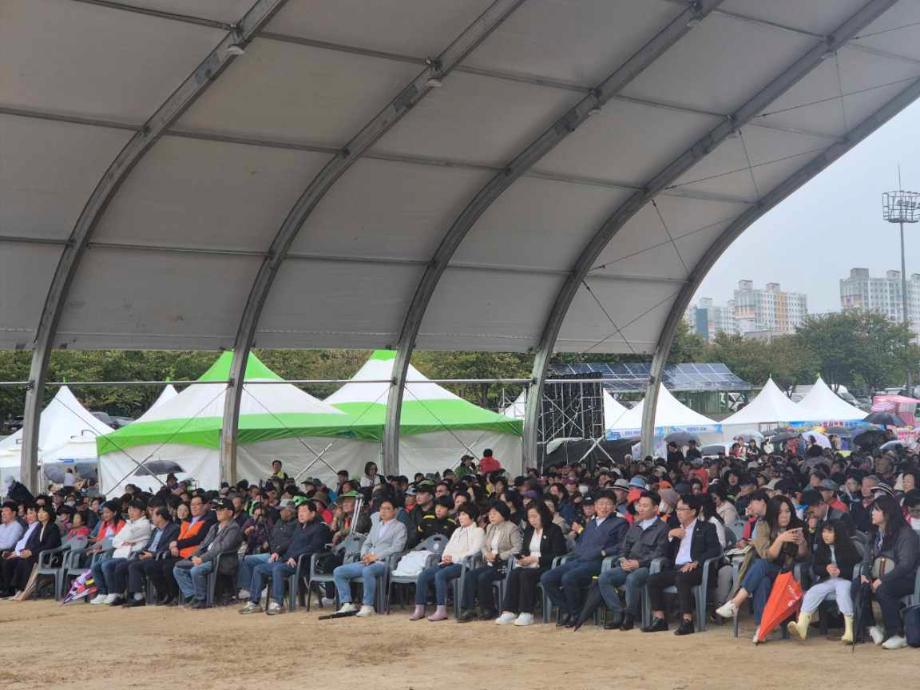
column 902, row 207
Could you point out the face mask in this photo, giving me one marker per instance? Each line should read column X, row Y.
column 583, row 489
column 915, row 523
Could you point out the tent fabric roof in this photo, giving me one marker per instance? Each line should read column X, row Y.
column 669, row 413
column 67, row 430
column 426, row 405
column 822, row 404
column 734, row 111
column 168, row 393
column 195, row 416
column 770, row 406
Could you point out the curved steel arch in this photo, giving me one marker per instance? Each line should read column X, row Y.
column 739, row 225
column 676, row 29
column 106, row 189
column 437, row 68
column 608, row 230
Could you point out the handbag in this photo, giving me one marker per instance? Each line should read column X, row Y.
column 324, row 563
column 880, row 566
column 912, row 625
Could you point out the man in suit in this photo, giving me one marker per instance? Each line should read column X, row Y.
column 387, row 537
column 690, row 545
column 223, row 538
column 645, row 541
column 602, row 537
column 146, row 564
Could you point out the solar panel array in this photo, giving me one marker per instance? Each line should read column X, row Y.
column 633, row 377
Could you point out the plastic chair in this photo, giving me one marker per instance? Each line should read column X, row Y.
column 215, row 574
column 45, row 567
column 350, row 548
column 700, row 593
column 436, row 545
column 547, row 602
column 468, row 563
column 295, row 578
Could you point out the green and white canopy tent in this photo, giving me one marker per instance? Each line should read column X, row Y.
column 182, row 434
column 436, row 426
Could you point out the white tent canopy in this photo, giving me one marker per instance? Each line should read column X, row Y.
column 771, row 406
column 670, row 415
column 823, row 405
column 613, row 411
column 184, row 433
column 518, row 408
column 437, row 426
column 168, row 394
column 68, row 433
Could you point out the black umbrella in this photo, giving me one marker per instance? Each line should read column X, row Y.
column 869, row 438
column 861, row 603
column 593, row 601
column 784, row 436
column 777, row 430
column 713, row 450
column 885, row 419
column 681, row 438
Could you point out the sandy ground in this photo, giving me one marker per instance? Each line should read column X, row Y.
column 168, row 647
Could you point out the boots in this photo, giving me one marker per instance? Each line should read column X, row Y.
column 418, row 614
column 799, row 628
column 440, row 614
column 847, row 630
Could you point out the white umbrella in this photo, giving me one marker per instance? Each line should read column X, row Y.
column 819, row 438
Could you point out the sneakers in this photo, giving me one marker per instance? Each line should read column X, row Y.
column 275, row 608
column 110, row 599
column 365, row 611
column 877, row 634
column 524, row 619
column 347, row 607
column 251, row 607
column 727, row 610
column 326, row 601
column 243, row 595
column 505, row 619
column 894, row 642
column 98, row 599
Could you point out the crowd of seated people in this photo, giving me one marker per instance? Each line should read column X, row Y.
column 569, row 541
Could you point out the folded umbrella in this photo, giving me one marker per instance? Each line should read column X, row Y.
column 593, row 601
column 785, row 598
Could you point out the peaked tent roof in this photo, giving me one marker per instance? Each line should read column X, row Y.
column 195, row 416
column 821, row 404
column 168, row 394
column 64, row 424
column 770, row 405
column 613, row 410
column 518, row 408
column 669, row 412
column 426, row 405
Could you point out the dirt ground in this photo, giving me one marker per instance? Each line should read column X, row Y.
column 169, row 647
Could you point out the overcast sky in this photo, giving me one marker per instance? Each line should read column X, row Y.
column 811, row 240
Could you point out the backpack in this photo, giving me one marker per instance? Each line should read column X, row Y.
column 912, row 625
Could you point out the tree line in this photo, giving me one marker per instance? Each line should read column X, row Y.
column 863, row 351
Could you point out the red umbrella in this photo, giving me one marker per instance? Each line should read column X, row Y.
column 783, row 603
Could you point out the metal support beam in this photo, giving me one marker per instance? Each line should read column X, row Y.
column 672, row 172
column 739, row 225
column 496, row 186
column 167, row 114
column 437, row 68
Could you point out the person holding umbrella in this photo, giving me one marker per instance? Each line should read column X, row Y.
column 888, row 570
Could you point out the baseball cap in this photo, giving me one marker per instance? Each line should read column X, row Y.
column 827, row 485
column 222, row 504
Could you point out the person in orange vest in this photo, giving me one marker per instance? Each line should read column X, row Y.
column 191, row 533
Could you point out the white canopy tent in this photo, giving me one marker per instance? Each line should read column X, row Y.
column 613, row 410
column 670, row 415
column 437, row 426
column 165, row 396
column 517, row 408
column 68, row 435
column 182, row 434
column 822, row 405
column 770, row 406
